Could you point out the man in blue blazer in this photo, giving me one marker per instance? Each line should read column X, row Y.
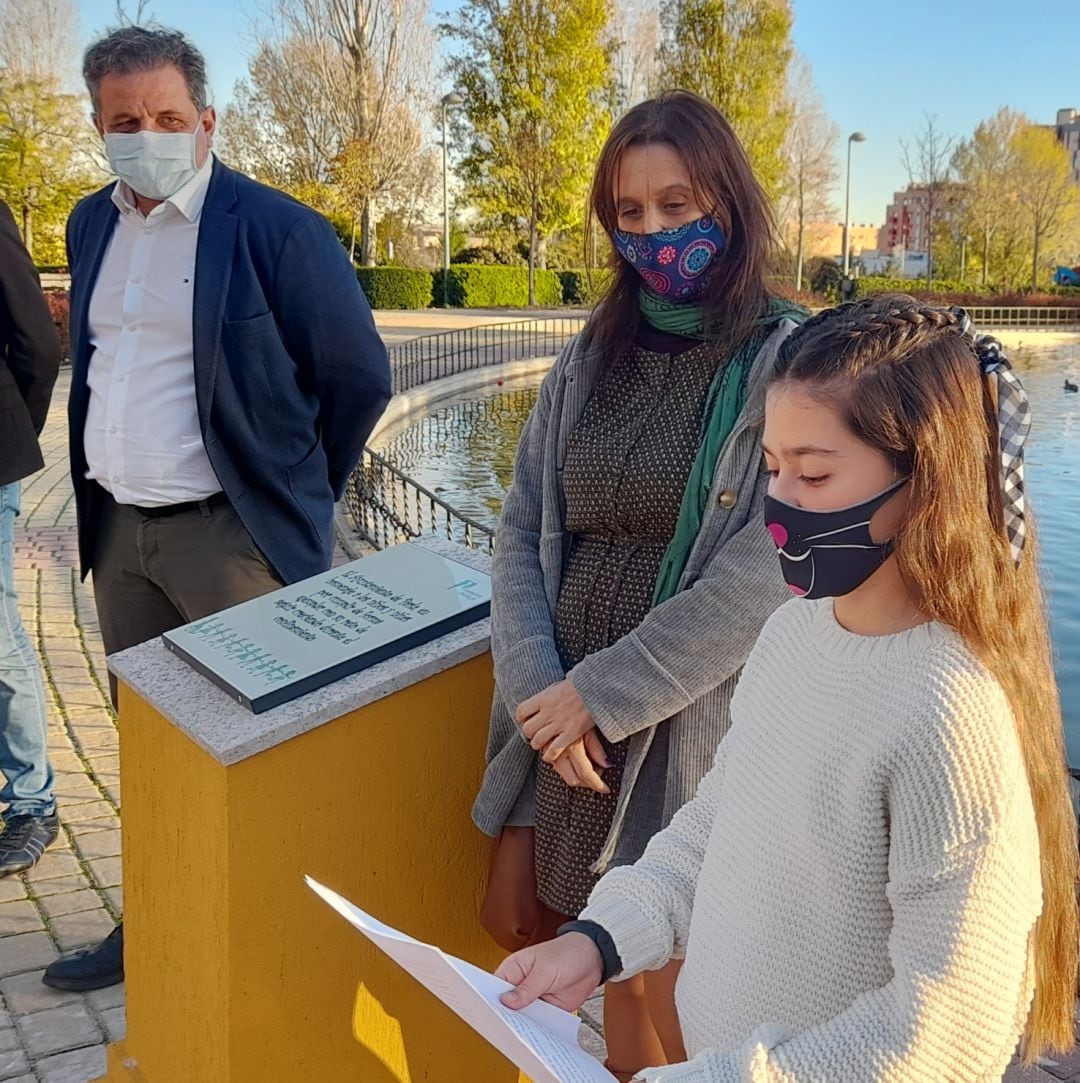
column 226, row 372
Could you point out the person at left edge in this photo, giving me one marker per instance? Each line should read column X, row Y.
column 29, row 361
column 226, row 372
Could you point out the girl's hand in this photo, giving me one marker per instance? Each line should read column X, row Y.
column 554, row 719
column 564, row 972
column 576, row 764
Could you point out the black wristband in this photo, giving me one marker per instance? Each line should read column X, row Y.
column 610, row 963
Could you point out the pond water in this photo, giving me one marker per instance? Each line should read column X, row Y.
column 464, row 451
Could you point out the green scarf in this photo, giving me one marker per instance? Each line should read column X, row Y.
column 724, row 404
column 685, row 320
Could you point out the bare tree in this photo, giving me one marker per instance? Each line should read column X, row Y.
column 635, row 33
column 39, row 40
column 810, row 156
column 408, row 208
column 281, row 126
column 334, row 78
column 140, row 17
column 929, row 166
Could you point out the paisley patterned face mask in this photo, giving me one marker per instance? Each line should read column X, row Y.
column 674, row 263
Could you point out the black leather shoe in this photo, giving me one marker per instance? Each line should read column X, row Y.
column 23, row 841
column 92, row 968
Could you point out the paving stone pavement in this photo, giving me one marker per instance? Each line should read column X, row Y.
column 74, row 895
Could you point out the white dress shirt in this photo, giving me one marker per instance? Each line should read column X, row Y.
column 142, row 438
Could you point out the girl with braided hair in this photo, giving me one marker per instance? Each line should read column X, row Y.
column 877, row 879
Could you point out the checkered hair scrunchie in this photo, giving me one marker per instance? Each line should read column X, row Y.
column 1014, row 424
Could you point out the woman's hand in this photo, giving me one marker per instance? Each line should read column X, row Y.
column 554, row 719
column 576, row 764
column 564, row 972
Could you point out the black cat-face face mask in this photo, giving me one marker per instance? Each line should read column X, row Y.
column 827, row 554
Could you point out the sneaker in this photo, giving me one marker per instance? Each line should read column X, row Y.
column 23, row 841
column 92, row 968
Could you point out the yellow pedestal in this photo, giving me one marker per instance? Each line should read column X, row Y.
column 236, row 971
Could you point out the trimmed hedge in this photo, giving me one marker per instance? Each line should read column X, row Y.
column 395, row 287
column 951, row 292
column 881, row 284
column 482, row 286
column 582, row 287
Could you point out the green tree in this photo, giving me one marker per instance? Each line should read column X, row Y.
column 42, row 174
column 984, row 167
column 1045, row 193
column 952, row 240
column 736, row 54
column 354, row 176
column 46, row 145
column 537, row 80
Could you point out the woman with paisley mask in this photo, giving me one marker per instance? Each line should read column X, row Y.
column 631, row 572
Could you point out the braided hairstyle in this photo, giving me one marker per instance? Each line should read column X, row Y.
column 905, row 381
column 885, row 327
column 915, row 376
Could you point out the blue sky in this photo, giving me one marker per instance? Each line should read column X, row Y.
column 880, row 66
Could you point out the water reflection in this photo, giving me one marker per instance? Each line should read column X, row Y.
column 1053, row 475
column 464, row 451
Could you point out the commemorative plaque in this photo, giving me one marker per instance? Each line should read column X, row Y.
column 272, row 649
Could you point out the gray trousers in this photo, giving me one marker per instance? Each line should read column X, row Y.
column 155, row 574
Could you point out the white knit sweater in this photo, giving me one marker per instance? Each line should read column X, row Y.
column 855, row 885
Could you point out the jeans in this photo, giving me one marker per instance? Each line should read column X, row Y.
column 24, row 763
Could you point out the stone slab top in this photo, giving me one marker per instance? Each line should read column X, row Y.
column 230, row 732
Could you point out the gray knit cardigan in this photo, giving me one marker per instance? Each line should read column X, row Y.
column 680, row 663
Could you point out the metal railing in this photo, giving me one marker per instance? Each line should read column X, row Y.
column 55, row 280
column 385, row 505
column 1025, row 317
column 433, row 357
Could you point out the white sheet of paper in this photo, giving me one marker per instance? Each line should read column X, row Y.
column 540, row 1040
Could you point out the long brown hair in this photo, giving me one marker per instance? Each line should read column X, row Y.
column 907, row 383
column 724, row 185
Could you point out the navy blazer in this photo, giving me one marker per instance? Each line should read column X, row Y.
column 290, row 372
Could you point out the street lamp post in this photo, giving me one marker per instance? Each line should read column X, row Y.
column 448, row 100
column 855, row 137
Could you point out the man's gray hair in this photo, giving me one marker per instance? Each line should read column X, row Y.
column 137, row 48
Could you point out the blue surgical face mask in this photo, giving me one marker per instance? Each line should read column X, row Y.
column 154, row 165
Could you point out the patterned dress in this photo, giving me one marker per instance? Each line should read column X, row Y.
column 626, row 469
